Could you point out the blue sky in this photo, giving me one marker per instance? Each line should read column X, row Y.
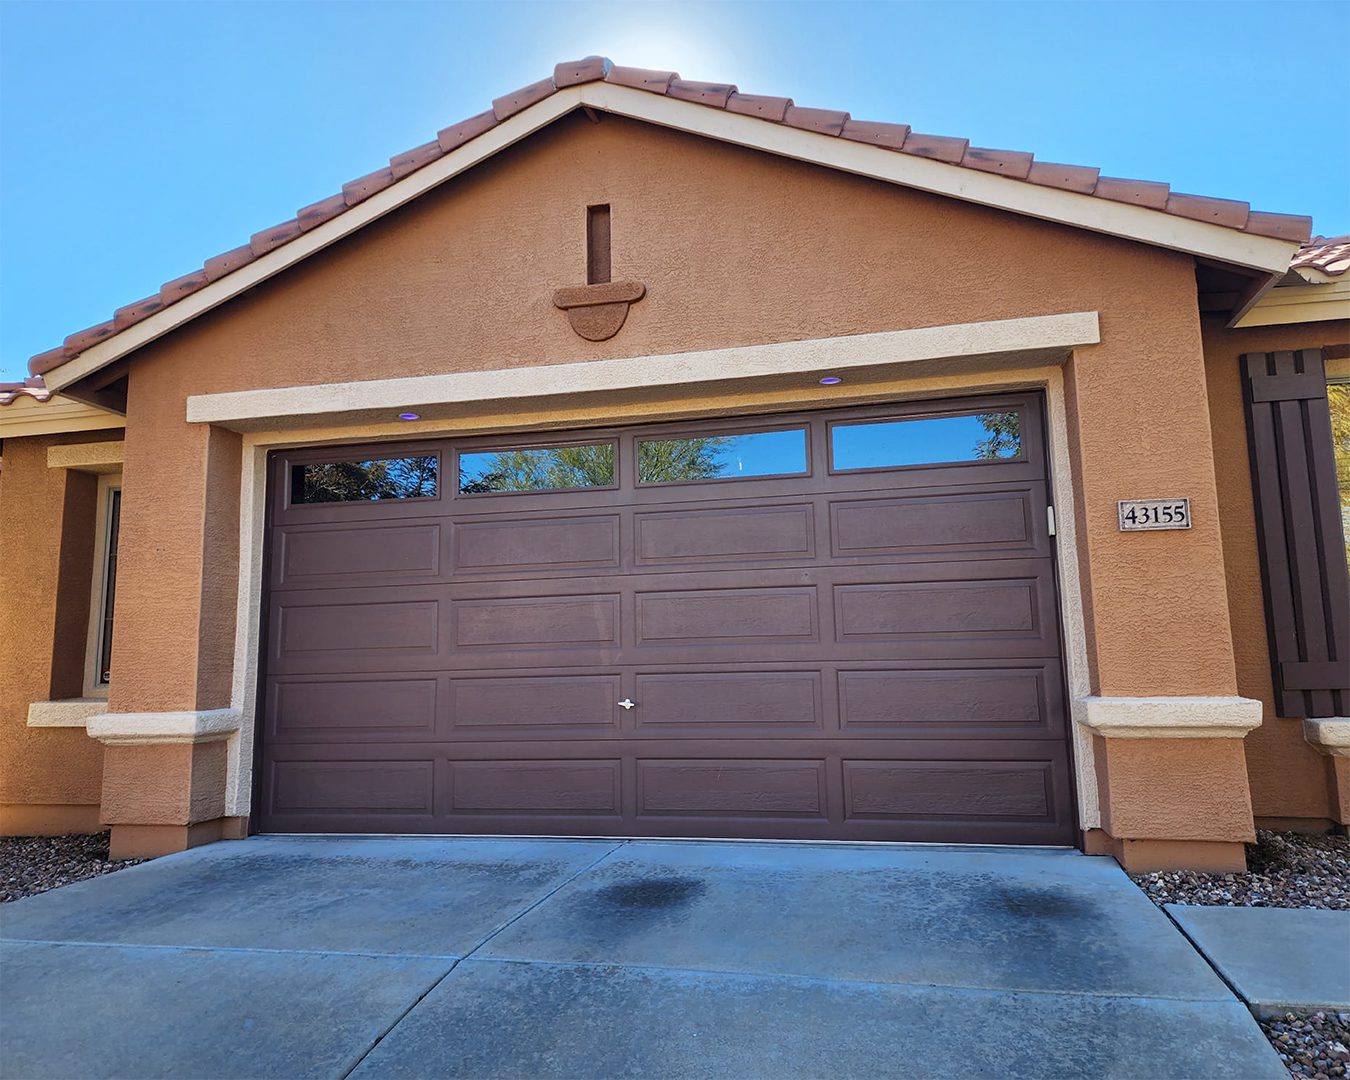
column 138, row 139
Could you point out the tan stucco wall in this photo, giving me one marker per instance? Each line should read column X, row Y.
column 49, row 777
column 734, row 247
column 1289, row 778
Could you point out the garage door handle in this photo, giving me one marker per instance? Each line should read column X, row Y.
column 627, row 704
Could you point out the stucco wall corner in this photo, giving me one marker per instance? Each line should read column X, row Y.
column 1330, row 734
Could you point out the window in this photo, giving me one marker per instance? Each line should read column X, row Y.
column 722, row 457
column 102, row 593
column 941, row 440
column 364, row 481
column 544, row 468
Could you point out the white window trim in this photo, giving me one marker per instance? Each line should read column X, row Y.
column 98, row 587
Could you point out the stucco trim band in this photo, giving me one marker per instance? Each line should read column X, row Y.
column 93, row 457
column 68, row 713
column 1330, row 734
column 1171, row 717
column 139, row 729
column 1038, row 338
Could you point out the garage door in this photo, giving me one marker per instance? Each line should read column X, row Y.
column 823, row 625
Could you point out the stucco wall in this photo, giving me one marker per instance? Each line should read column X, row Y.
column 735, row 247
column 1289, row 778
column 49, row 777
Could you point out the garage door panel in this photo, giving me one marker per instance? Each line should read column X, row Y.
column 999, row 524
column 733, row 788
column 971, row 702
column 516, row 544
column 946, row 789
column 374, row 708
column 536, row 787
column 698, row 616
column 745, row 533
column 400, row 627
column 537, row 706
column 536, row 621
column 376, row 553
column 715, row 704
column 869, row 654
column 365, row 787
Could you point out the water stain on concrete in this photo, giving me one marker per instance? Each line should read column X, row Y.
column 652, row 893
column 1037, row 903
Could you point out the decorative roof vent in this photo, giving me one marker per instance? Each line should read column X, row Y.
column 597, row 310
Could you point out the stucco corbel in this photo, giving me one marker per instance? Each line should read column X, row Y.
column 1330, row 734
column 138, row 729
column 1171, row 717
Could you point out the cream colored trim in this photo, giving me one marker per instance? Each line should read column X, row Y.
column 1049, row 204
column 95, row 457
column 1171, row 717
column 135, row 729
column 26, row 416
column 1287, row 304
column 107, row 484
column 1330, row 734
column 969, row 185
column 67, row 713
column 1036, row 339
column 877, row 388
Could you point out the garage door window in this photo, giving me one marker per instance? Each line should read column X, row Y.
column 940, row 440
column 722, row 457
column 364, row 481
column 542, row 468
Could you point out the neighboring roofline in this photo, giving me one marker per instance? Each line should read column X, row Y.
column 56, row 415
column 1216, row 229
column 1301, row 303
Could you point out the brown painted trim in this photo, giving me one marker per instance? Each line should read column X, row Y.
column 1147, row 856
column 149, row 841
column 1301, row 544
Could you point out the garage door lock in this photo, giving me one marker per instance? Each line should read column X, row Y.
column 627, row 704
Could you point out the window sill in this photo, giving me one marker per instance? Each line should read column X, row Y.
column 68, row 713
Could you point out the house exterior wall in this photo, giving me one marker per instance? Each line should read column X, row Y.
column 49, row 777
column 734, row 248
column 1292, row 782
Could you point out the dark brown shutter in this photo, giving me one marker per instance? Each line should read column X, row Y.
column 1298, row 518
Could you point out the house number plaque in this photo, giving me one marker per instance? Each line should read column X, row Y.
column 1137, row 515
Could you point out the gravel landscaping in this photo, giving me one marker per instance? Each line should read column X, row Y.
column 34, row 864
column 1315, row 1045
column 1284, row 869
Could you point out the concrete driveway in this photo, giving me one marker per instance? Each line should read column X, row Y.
column 333, row 957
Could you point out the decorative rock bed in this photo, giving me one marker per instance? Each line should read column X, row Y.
column 34, row 864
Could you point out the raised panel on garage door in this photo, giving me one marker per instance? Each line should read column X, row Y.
column 841, row 624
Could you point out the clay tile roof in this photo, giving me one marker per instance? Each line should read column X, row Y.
column 1327, row 254
column 1332, row 257
column 34, row 388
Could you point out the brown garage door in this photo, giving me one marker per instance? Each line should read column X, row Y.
column 825, row 625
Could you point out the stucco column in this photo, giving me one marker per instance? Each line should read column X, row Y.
column 1165, row 712
column 169, row 713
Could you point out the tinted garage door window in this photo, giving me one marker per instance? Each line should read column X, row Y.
column 828, row 625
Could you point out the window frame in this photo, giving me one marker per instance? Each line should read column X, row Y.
column 507, row 446
column 98, row 586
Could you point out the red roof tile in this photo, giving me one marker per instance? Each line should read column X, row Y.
column 1327, row 254
column 1014, row 164
column 34, row 388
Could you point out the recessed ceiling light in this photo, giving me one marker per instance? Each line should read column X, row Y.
column 831, row 380
column 409, row 416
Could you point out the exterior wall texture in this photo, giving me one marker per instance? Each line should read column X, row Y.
column 734, row 248
column 1290, row 779
column 49, row 777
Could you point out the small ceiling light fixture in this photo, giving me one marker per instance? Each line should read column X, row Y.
column 409, row 416
column 831, row 380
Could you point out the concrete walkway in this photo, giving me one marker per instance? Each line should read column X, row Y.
column 1276, row 959
column 332, row 957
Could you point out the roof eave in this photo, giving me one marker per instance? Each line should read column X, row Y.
column 1264, row 254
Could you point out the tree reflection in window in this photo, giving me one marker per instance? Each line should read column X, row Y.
column 364, row 481
column 550, row 468
column 722, row 457
column 933, row 440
